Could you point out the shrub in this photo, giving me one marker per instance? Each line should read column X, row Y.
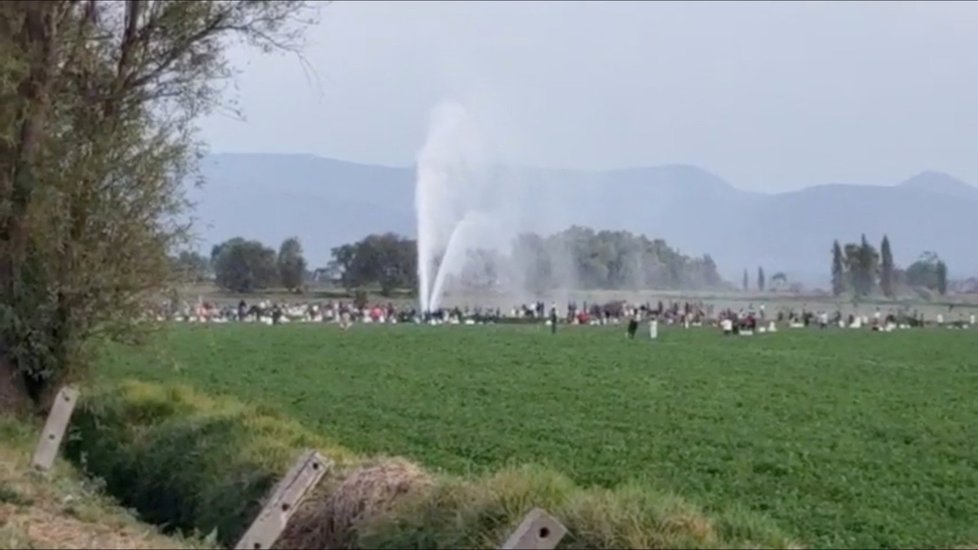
column 184, row 461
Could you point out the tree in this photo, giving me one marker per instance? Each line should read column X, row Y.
column 96, row 141
column 191, row 267
column 925, row 271
column 387, row 260
column 245, row 266
column 861, row 263
column 291, row 264
column 942, row 277
column 838, row 271
column 760, row 279
column 886, row 268
column 868, row 268
column 746, row 282
column 711, row 276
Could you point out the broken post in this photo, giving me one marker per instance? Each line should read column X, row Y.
column 539, row 531
column 284, row 501
column 54, row 428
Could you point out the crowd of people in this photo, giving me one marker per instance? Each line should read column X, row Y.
column 687, row 314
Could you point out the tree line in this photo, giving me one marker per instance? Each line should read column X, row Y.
column 578, row 257
column 860, row 269
column 242, row 265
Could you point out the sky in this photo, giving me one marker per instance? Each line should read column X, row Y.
column 771, row 96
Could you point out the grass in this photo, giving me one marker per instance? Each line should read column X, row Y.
column 183, row 461
column 62, row 509
column 842, row 438
column 199, row 464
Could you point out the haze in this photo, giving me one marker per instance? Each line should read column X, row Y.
column 774, row 96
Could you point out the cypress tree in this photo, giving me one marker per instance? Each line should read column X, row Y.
column 838, row 274
column 886, row 268
column 942, row 277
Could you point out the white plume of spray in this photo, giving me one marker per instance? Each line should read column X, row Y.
column 464, row 202
column 451, row 175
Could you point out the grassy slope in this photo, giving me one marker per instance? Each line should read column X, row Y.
column 60, row 509
column 844, row 438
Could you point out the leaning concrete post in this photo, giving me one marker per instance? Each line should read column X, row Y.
column 284, row 501
column 54, row 428
column 539, row 531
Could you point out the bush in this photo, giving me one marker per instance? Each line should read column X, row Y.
column 198, row 464
column 182, row 461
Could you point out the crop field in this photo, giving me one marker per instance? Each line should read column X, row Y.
column 843, row 438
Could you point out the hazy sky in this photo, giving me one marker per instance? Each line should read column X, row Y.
column 770, row 96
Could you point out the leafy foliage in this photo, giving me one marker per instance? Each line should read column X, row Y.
column 96, row 138
column 388, row 260
column 926, row 271
column 184, row 461
column 291, row 264
column 578, row 257
column 838, row 270
column 887, row 274
column 861, row 265
column 942, row 277
column 191, row 266
column 245, row 266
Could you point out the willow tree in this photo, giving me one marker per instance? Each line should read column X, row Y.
column 97, row 140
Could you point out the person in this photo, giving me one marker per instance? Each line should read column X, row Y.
column 633, row 326
column 727, row 325
column 553, row 319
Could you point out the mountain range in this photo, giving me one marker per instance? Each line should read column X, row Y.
column 327, row 202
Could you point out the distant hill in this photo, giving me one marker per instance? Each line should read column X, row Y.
column 328, row 202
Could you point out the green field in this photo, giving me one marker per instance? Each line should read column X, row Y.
column 843, row 438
